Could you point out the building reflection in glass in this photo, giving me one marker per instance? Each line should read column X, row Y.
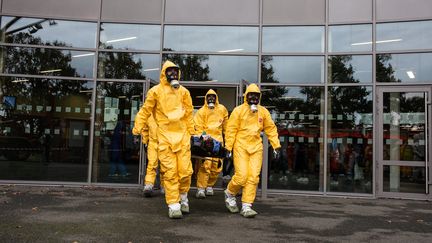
column 44, row 127
column 216, row 68
column 350, row 139
column 298, row 113
column 115, row 150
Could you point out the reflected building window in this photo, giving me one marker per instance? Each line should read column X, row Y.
column 124, row 65
column 350, row 38
column 415, row 35
column 292, row 69
column 130, row 36
column 216, row 68
column 48, row 32
column 223, row 39
column 45, row 126
column 293, row 39
column 350, row 69
column 298, row 113
column 50, row 62
column 404, row 68
column 350, row 139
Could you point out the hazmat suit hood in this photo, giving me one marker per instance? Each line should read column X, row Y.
column 252, row 88
column 163, row 78
column 208, row 93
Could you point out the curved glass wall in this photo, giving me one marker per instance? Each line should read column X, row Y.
column 293, row 39
column 404, row 68
column 292, row 69
column 44, row 61
column 223, row 39
column 350, row 38
column 350, row 139
column 130, row 36
column 404, row 36
column 216, row 68
column 45, row 126
column 115, row 149
column 49, row 32
column 125, row 65
column 298, row 113
column 350, row 69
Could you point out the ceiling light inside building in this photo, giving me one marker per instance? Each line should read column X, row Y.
column 122, row 39
column 378, row 42
column 410, row 74
column 84, row 55
column 51, row 71
column 150, row 69
column 233, row 50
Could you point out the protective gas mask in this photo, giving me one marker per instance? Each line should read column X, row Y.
column 253, row 101
column 211, row 100
column 172, row 74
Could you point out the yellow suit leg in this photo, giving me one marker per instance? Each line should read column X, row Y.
column 214, row 172
column 241, row 165
column 184, row 166
column 249, row 189
column 203, row 173
column 152, row 163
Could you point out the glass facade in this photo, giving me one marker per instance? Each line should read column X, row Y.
column 69, row 97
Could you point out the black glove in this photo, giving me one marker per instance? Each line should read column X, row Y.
column 276, row 153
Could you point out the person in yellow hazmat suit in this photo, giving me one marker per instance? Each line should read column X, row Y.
column 171, row 105
column 210, row 119
column 243, row 138
column 152, row 151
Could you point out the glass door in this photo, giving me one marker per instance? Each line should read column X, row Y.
column 403, row 164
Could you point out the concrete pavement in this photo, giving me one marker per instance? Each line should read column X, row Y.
column 89, row 214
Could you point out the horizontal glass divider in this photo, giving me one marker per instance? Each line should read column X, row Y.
column 321, row 54
column 115, row 21
column 293, row 24
column 122, row 80
column 210, row 24
column 349, row 194
column 211, row 53
column 45, row 77
column 130, row 51
column 350, row 84
column 293, row 192
column 360, row 53
column 418, row 51
column 90, row 20
column 349, row 23
column 378, row 83
column 290, row 84
column 48, row 47
column 401, row 20
column 45, row 183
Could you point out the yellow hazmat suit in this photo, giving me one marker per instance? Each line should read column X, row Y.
column 213, row 122
column 243, row 135
column 172, row 109
column 149, row 138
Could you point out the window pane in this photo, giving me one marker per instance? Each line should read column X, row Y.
column 404, row 68
column 52, row 62
column 293, row 39
column 298, row 113
column 292, row 69
column 216, row 68
column 130, row 36
column 50, row 32
column 123, row 65
column 350, row 69
column 211, row 38
column 350, row 139
column 407, row 179
column 349, row 38
column 45, row 126
column 115, row 150
column 404, row 36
